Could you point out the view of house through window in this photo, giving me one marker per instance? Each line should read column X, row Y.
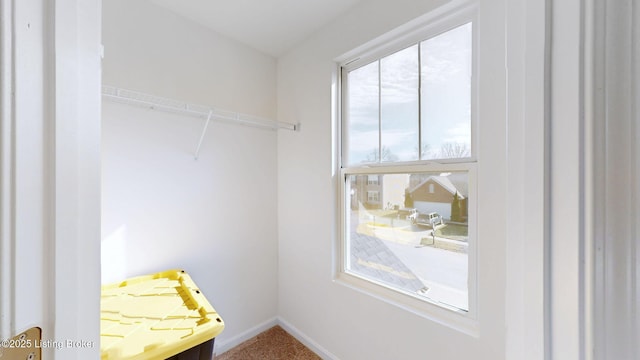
column 407, row 156
column 409, row 238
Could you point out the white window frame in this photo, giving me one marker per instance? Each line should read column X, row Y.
column 464, row 321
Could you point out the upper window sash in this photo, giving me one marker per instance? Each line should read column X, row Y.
column 385, row 46
column 414, row 105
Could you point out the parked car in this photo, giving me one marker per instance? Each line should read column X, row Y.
column 431, row 219
column 422, row 219
column 408, row 214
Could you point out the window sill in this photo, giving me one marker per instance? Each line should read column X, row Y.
column 456, row 319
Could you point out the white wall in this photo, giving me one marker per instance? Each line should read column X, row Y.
column 344, row 321
column 216, row 216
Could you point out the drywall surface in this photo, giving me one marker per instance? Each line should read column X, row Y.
column 150, row 49
column 215, row 216
column 347, row 323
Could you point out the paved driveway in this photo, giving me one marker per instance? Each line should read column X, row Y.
column 394, row 255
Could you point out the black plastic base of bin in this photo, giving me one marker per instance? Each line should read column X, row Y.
column 203, row 351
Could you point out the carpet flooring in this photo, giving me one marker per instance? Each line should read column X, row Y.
column 273, row 344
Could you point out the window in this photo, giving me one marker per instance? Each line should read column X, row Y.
column 407, row 119
column 373, row 196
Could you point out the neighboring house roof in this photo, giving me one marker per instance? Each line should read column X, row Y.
column 444, row 181
column 461, row 182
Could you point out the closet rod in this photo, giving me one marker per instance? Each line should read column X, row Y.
column 136, row 98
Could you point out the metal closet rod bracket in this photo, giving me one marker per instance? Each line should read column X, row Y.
column 135, row 98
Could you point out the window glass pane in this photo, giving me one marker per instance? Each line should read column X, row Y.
column 446, row 94
column 363, row 114
column 399, row 80
column 406, row 237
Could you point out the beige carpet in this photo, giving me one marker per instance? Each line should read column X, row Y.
column 273, row 344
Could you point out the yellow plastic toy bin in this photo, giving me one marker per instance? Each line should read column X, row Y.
column 159, row 316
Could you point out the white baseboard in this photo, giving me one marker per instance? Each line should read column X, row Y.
column 307, row 341
column 222, row 347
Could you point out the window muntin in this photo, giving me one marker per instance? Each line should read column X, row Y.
column 412, row 105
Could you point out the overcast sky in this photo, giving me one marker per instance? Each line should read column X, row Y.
column 445, row 72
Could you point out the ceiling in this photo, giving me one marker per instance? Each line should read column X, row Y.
column 271, row 26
